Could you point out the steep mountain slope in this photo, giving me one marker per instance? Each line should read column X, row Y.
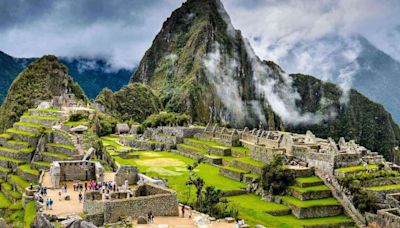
column 41, row 80
column 349, row 61
column 199, row 64
column 92, row 74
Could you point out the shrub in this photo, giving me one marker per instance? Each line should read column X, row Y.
column 165, row 119
column 275, row 178
column 75, row 117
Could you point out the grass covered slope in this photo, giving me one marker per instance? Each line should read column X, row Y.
column 360, row 118
column 41, row 80
column 133, row 102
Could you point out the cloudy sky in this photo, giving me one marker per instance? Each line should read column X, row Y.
column 122, row 30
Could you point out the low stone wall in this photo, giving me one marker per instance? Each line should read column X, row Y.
column 264, row 154
column 322, row 161
column 143, row 145
column 310, row 195
column 32, row 141
column 247, row 166
column 61, row 137
column 346, row 159
column 16, row 155
column 26, row 128
column 220, row 151
column 237, row 154
column 381, row 194
column 315, row 212
column 232, row 174
column 381, row 181
column 60, row 149
column 387, row 218
column 28, row 176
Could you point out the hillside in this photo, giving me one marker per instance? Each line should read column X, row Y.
column 92, row 74
column 41, row 80
column 200, row 65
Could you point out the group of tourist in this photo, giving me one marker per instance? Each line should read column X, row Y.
column 95, row 186
column 49, row 204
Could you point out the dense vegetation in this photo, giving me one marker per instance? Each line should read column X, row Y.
column 276, row 178
column 134, row 102
column 166, row 119
column 41, row 80
column 360, row 119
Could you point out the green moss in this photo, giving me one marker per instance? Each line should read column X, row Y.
column 28, row 150
column 310, row 203
column 42, row 163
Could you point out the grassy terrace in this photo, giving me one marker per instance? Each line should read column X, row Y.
column 57, row 155
column 28, row 150
column 4, row 202
column 253, row 210
column 66, row 146
column 19, row 143
column 20, row 132
column 42, row 163
column 77, row 123
column 235, row 169
column 19, row 181
column 50, row 118
column 203, row 142
column 240, row 149
column 310, row 203
column 110, row 141
column 194, row 148
column 29, row 215
column 4, row 170
column 5, row 136
column 308, row 180
column 46, row 109
column 30, row 124
column 384, row 187
column 356, row 168
column 11, row 160
column 27, row 169
column 6, row 186
column 250, row 161
column 311, row 189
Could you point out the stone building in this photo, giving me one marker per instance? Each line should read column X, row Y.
column 75, row 170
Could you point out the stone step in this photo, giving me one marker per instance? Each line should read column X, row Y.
column 16, row 145
column 47, row 121
column 310, row 193
column 232, row 173
column 308, row 181
column 313, row 208
column 26, row 136
column 66, row 149
column 29, row 126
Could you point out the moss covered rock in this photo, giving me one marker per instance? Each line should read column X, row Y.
column 41, row 80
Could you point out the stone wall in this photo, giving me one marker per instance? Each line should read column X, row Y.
column 387, row 218
column 323, row 161
column 75, row 170
column 347, row 159
column 264, row 154
column 316, row 212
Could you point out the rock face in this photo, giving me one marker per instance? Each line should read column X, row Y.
column 42, row 80
column 200, row 65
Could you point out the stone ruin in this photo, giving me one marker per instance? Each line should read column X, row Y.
column 136, row 203
column 126, row 173
column 75, row 170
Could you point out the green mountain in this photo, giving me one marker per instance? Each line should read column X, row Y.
column 41, row 80
column 92, row 74
column 200, row 65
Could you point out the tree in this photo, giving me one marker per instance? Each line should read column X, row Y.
column 275, row 177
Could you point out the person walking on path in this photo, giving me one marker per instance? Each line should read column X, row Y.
column 183, row 211
column 59, row 196
column 80, row 197
column 51, row 204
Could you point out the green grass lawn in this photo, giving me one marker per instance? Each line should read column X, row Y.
column 241, row 149
column 20, row 132
column 5, row 136
column 310, row 189
column 310, row 203
column 256, row 202
column 384, row 187
column 356, row 168
column 194, row 148
column 203, row 142
column 42, row 163
column 19, row 181
column 174, row 168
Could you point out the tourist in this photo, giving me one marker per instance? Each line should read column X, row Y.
column 150, row 217
column 74, row 186
column 85, row 186
column 190, row 212
column 183, row 211
column 47, row 204
column 59, row 196
column 51, row 204
column 31, row 187
column 45, row 190
column 80, row 197
column 114, row 187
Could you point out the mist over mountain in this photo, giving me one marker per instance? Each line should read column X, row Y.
column 351, row 62
column 92, row 74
